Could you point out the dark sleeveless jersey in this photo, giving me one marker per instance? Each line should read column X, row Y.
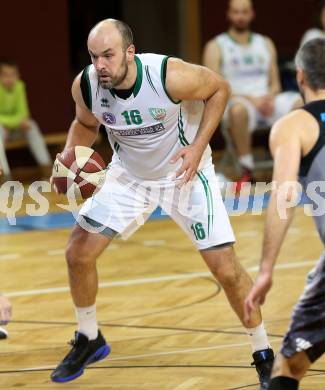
column 312, row 168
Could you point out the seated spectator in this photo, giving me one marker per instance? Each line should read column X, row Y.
column 249, row 62
column 319, row 31
column 15, row 121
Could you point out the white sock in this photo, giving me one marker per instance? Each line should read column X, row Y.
column 247, row 161
column 87, row 322
column 258, row 338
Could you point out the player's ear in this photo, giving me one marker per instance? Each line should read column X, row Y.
column 300, row 76
column 130, row 52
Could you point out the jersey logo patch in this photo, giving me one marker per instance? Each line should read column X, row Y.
column 138, row 131
column 104, row 102
column 109, row 118
column 158, row 114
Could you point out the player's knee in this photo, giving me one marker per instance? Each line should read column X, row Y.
column 224, row 269
column 294, row 367
column 238, row 111
column 76, row 256
column 228, row 277
column 297, row 367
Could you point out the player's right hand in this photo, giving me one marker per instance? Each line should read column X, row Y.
column 5, row 310
column 191, row 156
column 257, row 294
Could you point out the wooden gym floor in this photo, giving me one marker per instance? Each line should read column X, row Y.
column 167, row 320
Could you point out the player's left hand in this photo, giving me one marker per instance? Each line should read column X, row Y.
column 191, row 156
column 257, row 294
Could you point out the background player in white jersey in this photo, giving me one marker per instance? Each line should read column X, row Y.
column 249, row 62
column 297, row 142
column 160, row 144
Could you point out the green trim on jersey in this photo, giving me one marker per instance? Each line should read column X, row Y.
column 138, row 81
column 201, row 176
column 163, row 72
column 181, row 134
column 116, row 147
column 149, row 79
column 208, row 195
column 250, row 38
column 86, row 87
column 112, row 93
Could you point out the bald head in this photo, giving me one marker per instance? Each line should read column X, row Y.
column 240, row 3
column 240, row 14
column 112, row 28
column 110, row 45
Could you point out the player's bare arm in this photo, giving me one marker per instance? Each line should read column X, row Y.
column 84, row 129
column 212, row 56
column 265, row 104
column 186, row 81
column 286, row 150
column 274, row 80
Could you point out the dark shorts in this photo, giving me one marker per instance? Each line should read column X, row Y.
column 307, row 328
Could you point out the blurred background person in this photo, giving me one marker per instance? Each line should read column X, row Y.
column 319, row 31
column 15, row 121
column 249, row 62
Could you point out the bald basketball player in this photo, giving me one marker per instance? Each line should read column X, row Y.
column 297, row 142
column 248, row 61
column 160, row 143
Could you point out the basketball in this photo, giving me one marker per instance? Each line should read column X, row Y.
column 78, row 171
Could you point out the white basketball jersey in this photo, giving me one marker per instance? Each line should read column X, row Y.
column 246, row 67
column 148, row 128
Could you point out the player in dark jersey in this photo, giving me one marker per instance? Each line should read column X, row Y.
column 297, row 142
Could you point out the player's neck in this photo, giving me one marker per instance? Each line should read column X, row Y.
column 130, row 78
column 314, row 95
column 241, row 37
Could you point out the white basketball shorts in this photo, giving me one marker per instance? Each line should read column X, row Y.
column 124, row 203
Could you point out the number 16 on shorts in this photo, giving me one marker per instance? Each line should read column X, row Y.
column 198, row 231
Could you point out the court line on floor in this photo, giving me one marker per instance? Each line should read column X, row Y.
column 322, row 372
column 110, row 324
column 189, row 350
column 214, row 366
column 50, row 368
column 10, row 256
column 175, row 352
column 158, row 279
